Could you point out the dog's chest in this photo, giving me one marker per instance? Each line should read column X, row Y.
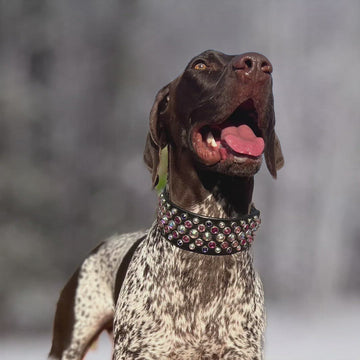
column 178, row 304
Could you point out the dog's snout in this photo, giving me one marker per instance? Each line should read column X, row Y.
column 252, row 65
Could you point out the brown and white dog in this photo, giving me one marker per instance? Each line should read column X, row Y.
column 186, row 288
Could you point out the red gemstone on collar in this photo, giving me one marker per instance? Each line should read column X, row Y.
column 212, row 244
column 225, row 245
column 186, row 238
column 214, row 230
column 227, row 231
column 237, row 230
column 188, row 224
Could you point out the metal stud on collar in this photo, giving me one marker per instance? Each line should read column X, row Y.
column 205, row 235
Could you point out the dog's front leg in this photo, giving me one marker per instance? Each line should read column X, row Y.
column 87, row 302
column 85, row 308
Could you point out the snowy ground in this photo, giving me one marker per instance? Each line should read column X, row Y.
column 331, row 333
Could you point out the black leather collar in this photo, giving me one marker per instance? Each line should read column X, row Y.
column 206, row 235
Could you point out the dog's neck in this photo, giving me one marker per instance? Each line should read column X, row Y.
column 205, row 192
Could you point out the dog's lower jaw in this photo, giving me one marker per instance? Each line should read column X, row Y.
column 204, row 191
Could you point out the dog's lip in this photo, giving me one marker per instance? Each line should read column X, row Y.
column 212, row 153
column 216, row 141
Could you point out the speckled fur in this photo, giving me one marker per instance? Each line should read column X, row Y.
column 94, row 296
column 178, row 305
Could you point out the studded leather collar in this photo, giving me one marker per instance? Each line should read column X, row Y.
column 206, row 235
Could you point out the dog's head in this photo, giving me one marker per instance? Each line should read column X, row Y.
column 221, row 111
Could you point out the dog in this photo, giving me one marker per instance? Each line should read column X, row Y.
column 186, row 288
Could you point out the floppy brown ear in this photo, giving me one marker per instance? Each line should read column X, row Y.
column 152, row 159
column 273, row 154
column 156, row 138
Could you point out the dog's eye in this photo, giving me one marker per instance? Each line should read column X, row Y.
column 200, row 66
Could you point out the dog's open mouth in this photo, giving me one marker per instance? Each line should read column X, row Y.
column 237, row 138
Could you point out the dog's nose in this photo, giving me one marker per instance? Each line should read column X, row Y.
column 252, row 65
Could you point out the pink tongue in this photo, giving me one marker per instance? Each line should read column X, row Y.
column 243, row 140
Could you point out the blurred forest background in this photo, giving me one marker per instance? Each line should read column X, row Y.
column 77, row 81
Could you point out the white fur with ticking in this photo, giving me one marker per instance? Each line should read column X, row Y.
column 94, row 304
column 175, row 304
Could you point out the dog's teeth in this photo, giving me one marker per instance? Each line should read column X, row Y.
column 211, row 140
